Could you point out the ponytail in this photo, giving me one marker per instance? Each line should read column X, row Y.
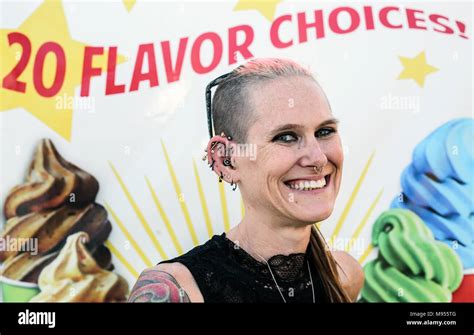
column 327, row 267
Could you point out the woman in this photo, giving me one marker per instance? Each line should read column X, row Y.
column 275, row 254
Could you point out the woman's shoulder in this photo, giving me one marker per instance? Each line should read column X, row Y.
column 166, row 282
column 213, row 245
column 350, row 272
column 172, row 280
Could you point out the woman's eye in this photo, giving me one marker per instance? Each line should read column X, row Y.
column 286, row 138
column 325, row 132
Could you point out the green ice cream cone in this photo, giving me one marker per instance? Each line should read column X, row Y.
column 412, row 265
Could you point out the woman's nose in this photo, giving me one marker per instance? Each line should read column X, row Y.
column 313, row 154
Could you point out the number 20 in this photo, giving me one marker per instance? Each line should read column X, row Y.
column 11, row 81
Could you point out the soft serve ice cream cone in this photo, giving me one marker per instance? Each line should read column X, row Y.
column 411, row 265
column 439, row 186
column 51, row 182
column 74, row 276
column 55, row 201
column 51, row 227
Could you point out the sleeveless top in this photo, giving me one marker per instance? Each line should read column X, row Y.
column 224, row 272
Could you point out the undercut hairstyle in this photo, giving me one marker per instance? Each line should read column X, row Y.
column 232, row 109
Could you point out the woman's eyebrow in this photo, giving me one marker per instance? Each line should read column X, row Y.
column 328, row 121
column 292, row 126
column 289, row 126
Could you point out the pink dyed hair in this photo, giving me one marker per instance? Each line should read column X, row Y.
column 231, row 108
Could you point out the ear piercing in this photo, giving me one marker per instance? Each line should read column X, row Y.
column 228, row 137
column 213, row 145
column 226, row 162
column 221, row 178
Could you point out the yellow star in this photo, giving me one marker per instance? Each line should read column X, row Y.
column 416, row 68
column 46, row 24
column 266, row 7
column 129, row 4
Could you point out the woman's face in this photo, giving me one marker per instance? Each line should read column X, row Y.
column 294, row 131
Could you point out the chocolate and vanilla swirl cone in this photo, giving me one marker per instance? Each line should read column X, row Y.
column 75, row 276
column 50, row 228
column 51, row 182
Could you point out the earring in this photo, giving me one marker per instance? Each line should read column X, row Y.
column 227, row 162
column 228, row 137
column 220, row 178
column 234, row 185
column 213, row 145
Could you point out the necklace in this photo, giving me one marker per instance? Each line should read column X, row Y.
column 276, row 283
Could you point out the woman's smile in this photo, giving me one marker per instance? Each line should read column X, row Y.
column 297, row 172
column 309, row 185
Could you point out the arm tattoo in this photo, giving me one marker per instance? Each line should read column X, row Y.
column 157, row 286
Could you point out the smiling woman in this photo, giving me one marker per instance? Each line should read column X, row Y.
column 276, row 253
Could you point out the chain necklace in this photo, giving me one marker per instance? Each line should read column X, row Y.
column 274, row 279
column 276, row 283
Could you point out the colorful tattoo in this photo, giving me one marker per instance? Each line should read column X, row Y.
column 157, row 286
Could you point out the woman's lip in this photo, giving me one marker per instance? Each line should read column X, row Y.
column 313, row 177
column 316, row 190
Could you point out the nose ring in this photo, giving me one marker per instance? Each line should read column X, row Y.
column 318, row 169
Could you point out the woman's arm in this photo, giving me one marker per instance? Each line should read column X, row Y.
column 166, row 283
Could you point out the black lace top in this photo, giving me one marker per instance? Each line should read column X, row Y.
column 225, row 272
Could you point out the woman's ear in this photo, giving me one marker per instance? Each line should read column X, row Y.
column 220, row 150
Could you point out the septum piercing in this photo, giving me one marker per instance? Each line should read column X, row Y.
column 318, row 169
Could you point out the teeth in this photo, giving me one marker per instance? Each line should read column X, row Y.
column 321, row 183
column 308, row 185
